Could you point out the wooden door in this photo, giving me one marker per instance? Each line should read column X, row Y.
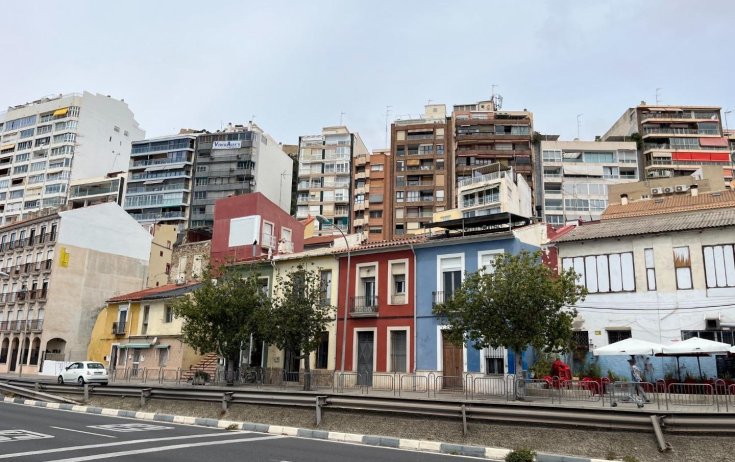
column 451, row 363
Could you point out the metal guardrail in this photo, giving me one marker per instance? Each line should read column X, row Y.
column 517, row 412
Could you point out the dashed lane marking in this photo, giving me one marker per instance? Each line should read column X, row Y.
column 86, row 433
column 128, row 428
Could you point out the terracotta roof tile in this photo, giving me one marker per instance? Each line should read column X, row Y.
column 670, row 204
column 154, row 292
column 651, row 224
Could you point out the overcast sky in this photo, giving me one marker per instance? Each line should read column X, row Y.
column 296, row 66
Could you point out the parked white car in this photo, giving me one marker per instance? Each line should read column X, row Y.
column 84, row 372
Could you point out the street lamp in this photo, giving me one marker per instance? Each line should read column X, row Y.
column 326, row 221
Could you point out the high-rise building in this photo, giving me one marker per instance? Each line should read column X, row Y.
column 422, row 169
column 50, row 141
column 575, row 176
column 484, row 134
column 237, row 160
column 160, row 180
column 97, row 190
column 372, row 203
column 325, row 175
column 674, row 140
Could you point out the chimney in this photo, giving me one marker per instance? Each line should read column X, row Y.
column 694, row 189
column 624, row 199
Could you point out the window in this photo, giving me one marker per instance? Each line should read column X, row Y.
column 162, row 357
column 486, row 260
column 604, row 273
column 200, row 194
column 450, row 277
column 146, row 313
column 616, row 335
column 398, row 356
column 397, row 282
column 683, row 267
column 376, row 168
column 552, row 156
column 168, row 314
column 581, row 342
column 322, row 351
column 366, row 289
column 326, row 287
column 650, row 269
column 719, row 265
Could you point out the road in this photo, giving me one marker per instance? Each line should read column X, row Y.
column 32, row 434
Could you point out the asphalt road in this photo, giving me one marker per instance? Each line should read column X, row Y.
column 32, row 434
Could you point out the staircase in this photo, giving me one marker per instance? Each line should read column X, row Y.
column 207, row 364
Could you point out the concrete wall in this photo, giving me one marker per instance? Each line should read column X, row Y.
column 103, row 149
column 655, row 315
column 162, row 244
column 273, row 172
column 182, row 260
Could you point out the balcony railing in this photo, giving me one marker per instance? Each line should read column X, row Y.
column 680, row 115
column 695, row 147
column 441, row 297
column 486, row 200
column 364, row 306
column 678, row 131
column 118, row 328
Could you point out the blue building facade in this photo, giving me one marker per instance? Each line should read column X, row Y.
column 441, row 266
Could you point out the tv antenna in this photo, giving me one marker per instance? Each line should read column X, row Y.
column 579, row 125
column 341, row 117
column 388, row 111
column 658, row 95
column 497, row 100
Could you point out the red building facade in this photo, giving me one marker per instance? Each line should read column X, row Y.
column 379, row 334
column 250, row 226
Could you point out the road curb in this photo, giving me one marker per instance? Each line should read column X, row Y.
column 495, row 454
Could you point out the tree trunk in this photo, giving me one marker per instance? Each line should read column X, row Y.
column 520, row 388
column 307, row 372
column 230, row 370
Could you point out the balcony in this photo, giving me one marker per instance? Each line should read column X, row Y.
column 486, row 200
column 35, row 325
column 364, row 306
column 708, row 116
column 118, row 328
column 268, row 240
column 678, row 131
column 158, row 216
column 668, row 147
column 440, row 297
column 148, row 163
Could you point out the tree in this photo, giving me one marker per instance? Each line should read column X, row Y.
column 519, row 303
column 298, row 314
column 221, row 314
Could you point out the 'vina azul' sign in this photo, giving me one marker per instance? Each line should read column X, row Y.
column 227, row 145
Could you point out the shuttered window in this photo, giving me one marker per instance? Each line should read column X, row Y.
column 719, row 265
column 604, row 273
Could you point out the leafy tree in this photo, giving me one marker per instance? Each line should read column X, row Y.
column 297, row 314
column 520, row 303
column 221, row 314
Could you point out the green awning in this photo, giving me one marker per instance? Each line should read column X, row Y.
column 135, row 345
column 161, row 346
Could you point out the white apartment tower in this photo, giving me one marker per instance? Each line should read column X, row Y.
column 49, row 142
column 325, row 175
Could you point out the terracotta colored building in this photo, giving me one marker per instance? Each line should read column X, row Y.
column 251, row 226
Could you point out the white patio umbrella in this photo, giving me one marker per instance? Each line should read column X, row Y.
column 695, row 346
column 629, row 346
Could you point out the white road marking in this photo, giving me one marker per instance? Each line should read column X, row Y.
column 8, row 436
column 131, row 427
column 165, row 448
column 80, row 431
column 118, row 443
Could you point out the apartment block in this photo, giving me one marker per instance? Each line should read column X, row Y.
column 61, row 266
column 239, row 159
column 675, row 140
column 490, row 190
column 49, row 142
column 422, row 169
column 483, row 135
column 325, row 175
column 97, row 190
column 372, row 203
column 160, row 180
column 576, row 175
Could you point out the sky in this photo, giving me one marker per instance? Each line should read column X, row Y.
column 296, row 66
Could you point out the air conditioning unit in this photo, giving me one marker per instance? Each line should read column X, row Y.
column 657, row 191
column 668, row 190
column 712, row 323
column 681, row 187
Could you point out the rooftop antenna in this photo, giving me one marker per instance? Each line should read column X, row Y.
column 658, row 96
column 497, row 100
column 388, row 110
column 341, row 117
column 579, row 125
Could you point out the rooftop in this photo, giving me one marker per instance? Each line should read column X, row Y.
column 671, row 204
column 156, row 293
column 651, row 224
